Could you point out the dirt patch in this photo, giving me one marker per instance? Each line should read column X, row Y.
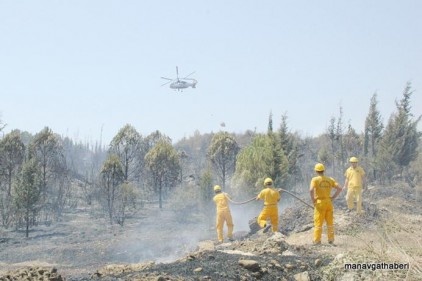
column 80, row 243
column 153, row 246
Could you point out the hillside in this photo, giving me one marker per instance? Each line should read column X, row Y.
column 388, row 233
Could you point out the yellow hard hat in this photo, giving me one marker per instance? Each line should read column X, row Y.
column 319, row 167
column 353, row 160
column 268, row 181
column 217, row 188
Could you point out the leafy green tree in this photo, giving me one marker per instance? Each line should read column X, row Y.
column 373, row 133
column 112, row 176
column 373, row 128
column 164, row 165
column 47, row 149
column 280, row 161
column 222, row 154
column 27, row 192
column 149, row 142
column 257, row 161
column 399, row 143
column 127, row 145
column 290, row 147
column 12, row 153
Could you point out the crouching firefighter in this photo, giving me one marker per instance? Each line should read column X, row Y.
column 271, row 196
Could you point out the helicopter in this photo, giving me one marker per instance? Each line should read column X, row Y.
column 180, row 83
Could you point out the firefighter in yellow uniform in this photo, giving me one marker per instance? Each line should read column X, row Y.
column 320, row 191
column 221, row 200
column 355, row 179
column 271, row 196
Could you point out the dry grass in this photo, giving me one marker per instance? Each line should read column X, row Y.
column 393, row 242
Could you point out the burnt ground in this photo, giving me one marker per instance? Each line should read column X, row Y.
column 157, row 245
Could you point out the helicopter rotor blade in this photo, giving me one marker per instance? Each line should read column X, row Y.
column 188, row 75
column 166, row 83
column 177, row 73
column 166, row 78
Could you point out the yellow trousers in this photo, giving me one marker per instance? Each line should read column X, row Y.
column 224, row 216
column 323, row 211
column 354, row 193
column 269, row 212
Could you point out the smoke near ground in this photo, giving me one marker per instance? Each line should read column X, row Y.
column 161, row 236
column 82, row 243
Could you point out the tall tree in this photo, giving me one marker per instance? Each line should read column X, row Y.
column 290, row 147
column 149, row 142
column 27, row 191
column 222, row 154
column 400, row 139
column 335, row 137
column 47, row 148
column 127, row 145
column 270, row 123
column 12, row 152
column 332, row 136
column 341, row 155
column 112, row 176
column 373, row 133
column 257, row 161
column 164, row 164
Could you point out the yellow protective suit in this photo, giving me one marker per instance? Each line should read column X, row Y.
column 223, row 215
column 354, row 180
column 270, row 210
column 323, row 210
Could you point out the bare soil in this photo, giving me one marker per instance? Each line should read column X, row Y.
column 81, row 243
column 161, row 245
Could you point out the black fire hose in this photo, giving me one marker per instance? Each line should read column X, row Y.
column 241, row 203
column 310, row 206
column 247, row 201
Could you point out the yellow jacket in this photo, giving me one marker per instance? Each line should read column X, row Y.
column 221, row 201
column 270, row 196
column 322, row 186
column 354, row 176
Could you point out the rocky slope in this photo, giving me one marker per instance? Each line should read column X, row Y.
column 388, row 233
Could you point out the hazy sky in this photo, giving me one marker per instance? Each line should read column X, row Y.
column 83, row 67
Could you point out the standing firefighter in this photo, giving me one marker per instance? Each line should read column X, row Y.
column 271, row 197
column 221, row 200
column 355, row 179
column 320, row 191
